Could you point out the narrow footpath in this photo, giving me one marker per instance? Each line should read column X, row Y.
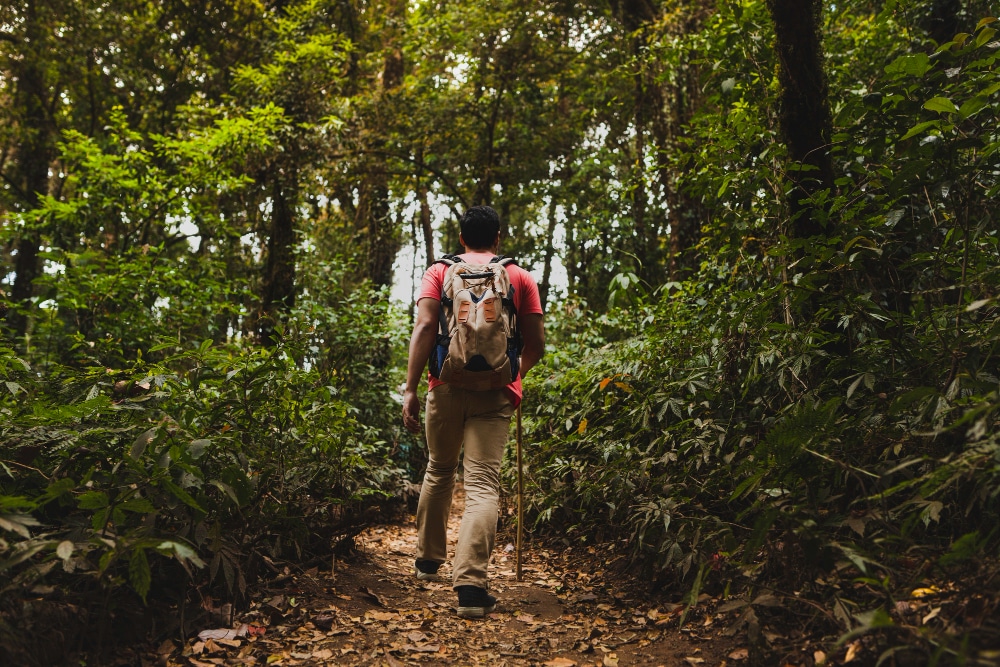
column 371, row 610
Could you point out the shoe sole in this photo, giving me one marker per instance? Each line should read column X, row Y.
column 427, row 576
column 476, row 612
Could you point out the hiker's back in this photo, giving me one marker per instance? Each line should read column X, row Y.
column 477, row 345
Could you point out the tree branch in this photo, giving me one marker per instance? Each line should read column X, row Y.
column 17, row 189
column 419, row 163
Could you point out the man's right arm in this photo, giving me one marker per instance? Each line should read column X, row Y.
column 422, row 340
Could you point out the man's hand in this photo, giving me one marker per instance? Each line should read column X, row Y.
column 411, row 411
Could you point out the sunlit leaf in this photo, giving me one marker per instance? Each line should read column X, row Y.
column 65, row 549
column 941, row 104
column 913, row 64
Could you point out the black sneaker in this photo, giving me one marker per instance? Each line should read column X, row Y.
column 475, row 602
column 426, row 570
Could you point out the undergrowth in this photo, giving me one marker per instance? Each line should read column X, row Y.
column 808, row 428
column 187, row 472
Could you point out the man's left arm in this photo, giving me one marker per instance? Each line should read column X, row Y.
column 533, row 335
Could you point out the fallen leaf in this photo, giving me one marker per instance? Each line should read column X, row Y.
column 416, row 637
column 819, row 657
column 560, row 662
column 324, row 621
column 932, row 614
column 611, row 660
column 739, row 654
column 924, row 592
column 852, row 651
column 423, row 648
column 223, row 633
column 322, row 654
column 383, row 615
column 693, row 660
column 371, row 596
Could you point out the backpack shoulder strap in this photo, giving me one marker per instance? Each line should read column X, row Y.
column 448, row 260
column 503, row 260
column 508, row 298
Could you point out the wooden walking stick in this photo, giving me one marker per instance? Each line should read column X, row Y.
column 520, row 498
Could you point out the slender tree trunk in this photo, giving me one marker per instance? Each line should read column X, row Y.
column 425, row 224
column 487, row 142
column 279, row 267
column 383, row 235
column 33, row 158
column 425, row 213
column 670, row 122
column 550, row 232
column 641, row 241
column 805, row 118
column 635, row 16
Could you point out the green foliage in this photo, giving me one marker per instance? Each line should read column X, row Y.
column 216, row 457
column 743, row 409
column 736, row 444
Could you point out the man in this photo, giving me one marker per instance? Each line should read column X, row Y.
column 477, row 420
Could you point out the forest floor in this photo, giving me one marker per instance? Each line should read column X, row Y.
column 569, row 610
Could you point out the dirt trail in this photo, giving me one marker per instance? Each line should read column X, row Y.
column 372, row 611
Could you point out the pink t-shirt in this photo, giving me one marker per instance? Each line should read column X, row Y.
column 526, row 301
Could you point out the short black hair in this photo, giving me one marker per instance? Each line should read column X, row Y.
column 480, row 226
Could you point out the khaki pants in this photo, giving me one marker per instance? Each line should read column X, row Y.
column 479, row 420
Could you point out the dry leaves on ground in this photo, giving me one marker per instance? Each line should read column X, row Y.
column 568, row 612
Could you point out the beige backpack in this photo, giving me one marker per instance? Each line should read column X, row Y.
column 478, row 342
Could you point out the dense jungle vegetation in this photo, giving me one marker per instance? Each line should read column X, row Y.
column 765, row 232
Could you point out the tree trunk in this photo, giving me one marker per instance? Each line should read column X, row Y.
column 641, row 243
column 635, row 16
column 383, row 236
column 33, row 158
column 279, row 267
column 425, row 212
column 671, row 117
column 805, row 119
column 550, row 231
column 425, row 223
